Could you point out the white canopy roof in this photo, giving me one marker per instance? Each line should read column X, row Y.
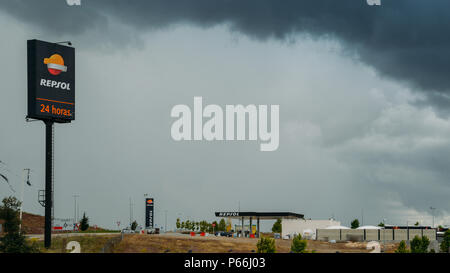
column 337, row 227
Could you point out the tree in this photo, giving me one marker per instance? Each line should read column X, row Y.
column 266, row 245
column 298, row 245
column 134, row 225
column 222, row 225
column 13, row 241
column 202, row 226
column 84, row 223
column 402, row 248
column 355, row 224
column 445, row 245
column 420, row 245
column 276, row 228
column 178, row 223
column 381, row 224
column 417, row 224
column 187, row 225
column 205, row 226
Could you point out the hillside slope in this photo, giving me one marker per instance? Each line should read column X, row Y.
column 32, row 223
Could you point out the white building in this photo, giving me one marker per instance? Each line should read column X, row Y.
column 306, row 227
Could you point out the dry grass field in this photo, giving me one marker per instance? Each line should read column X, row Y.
column 89, row 244
column 175, row 243
column 180, row 243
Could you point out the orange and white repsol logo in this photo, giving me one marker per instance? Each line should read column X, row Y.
column 55, row 66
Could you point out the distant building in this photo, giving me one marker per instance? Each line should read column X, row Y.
column 305, row 227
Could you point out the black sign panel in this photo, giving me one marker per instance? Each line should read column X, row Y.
column 227, row 214
column 51, row 81
column 149, row 204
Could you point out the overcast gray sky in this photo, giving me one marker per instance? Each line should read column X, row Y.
column 363, row 94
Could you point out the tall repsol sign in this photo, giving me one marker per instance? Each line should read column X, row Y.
column 51, row 81
column 149, row 205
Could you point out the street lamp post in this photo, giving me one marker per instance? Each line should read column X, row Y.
column 384, row 236
column 432, row 214
column 165, row 223
column 75, row 218
column 407, row 228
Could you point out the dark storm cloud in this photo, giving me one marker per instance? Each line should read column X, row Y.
column 53, row 16
column 404, row 39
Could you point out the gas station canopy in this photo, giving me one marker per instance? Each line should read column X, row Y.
column 260, row 215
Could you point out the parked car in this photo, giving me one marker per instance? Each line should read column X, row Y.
column 226, row 234
column 153, row 231
column 127, row 231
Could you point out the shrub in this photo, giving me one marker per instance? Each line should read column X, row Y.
column 402, row 248
column 298, row 245
column 266, row 245
column 445, row 245
column 420, row 245
column 134, row 225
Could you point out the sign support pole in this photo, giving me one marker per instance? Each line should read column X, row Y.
column 48, row 182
